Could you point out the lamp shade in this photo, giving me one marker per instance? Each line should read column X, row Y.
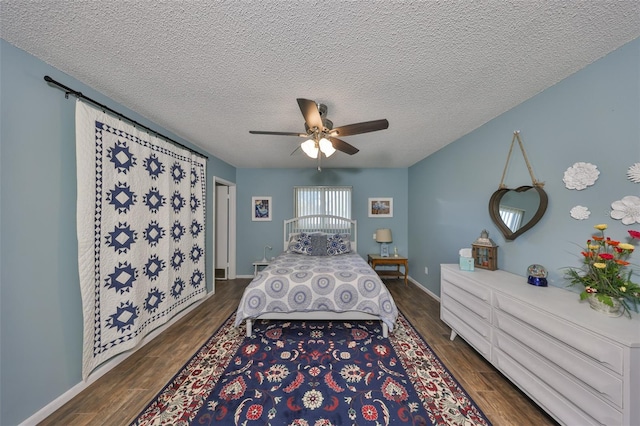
column 310, row 148
column 326, row 147
column 383, row 235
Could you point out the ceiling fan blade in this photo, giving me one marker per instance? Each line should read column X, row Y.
column 259, row 132
column 357, row 128
column 341, row 145
column 310, row 112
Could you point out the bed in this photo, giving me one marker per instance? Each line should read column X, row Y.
column 318, row 276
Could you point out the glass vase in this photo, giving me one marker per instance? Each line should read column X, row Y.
column 613, row 311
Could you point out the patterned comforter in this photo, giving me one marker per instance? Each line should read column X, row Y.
column 302, row 283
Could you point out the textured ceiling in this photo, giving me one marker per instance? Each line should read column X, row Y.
column 212, row 71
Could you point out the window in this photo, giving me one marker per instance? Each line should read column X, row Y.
column 324, row 200
column 512, row 217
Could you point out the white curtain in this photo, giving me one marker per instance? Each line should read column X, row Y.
column 141, row 227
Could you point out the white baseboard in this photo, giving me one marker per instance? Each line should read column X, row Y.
column 423, row 288
column 50, row 408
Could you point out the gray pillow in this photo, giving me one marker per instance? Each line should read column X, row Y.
column 318, row 245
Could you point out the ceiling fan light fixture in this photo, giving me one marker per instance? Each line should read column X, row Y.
column 326, row 147
column 310, row 148
column 323, row 138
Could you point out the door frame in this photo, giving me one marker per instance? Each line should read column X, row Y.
column 231, row 244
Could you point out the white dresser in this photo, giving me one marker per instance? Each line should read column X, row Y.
column 579, row 365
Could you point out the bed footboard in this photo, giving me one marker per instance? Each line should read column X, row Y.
column 249, row 324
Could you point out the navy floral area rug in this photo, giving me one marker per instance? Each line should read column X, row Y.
column 313, row 373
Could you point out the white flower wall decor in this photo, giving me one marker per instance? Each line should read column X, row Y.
column 634, row 173
column 627, row 210
column 580, row 175
column 580, row 213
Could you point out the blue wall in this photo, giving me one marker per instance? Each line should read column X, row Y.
column 593, row 116
column 279, row 183
column 40, row 304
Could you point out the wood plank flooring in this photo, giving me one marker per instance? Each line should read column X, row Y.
column 118, row 396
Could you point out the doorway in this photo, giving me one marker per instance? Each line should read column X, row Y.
column 224, row 233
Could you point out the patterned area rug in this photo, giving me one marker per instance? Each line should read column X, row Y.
column 314, row 373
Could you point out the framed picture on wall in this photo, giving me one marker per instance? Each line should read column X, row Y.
column 262, row 208
column 380, row 207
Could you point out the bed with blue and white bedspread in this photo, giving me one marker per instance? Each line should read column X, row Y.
column 320, row 278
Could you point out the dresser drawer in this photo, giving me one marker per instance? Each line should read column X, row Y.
column 556, row 379
column 603, row 351
column 601, row 381
column 478, row 306
column 465, row 282
column 481, row 341
column 553, row 402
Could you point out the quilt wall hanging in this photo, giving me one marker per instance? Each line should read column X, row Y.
column 141, row 227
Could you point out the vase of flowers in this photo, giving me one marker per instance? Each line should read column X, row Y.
column 606, row 274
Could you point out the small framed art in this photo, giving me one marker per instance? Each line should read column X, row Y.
column 262, row 208
column 380, row 207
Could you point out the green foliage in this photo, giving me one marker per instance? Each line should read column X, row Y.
column 603, row 273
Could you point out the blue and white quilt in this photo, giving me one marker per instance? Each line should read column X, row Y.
column 141, row 227
column 303, row 283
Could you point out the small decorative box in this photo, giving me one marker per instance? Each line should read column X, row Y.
column 466, row 263
column 466, row 259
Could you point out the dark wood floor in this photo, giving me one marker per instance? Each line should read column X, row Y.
column 118, row 396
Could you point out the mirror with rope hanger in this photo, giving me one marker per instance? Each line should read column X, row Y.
column 515, row 211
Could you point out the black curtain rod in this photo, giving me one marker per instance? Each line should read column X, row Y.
column 68, row 91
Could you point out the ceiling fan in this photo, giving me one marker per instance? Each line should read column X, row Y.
column 322, row 137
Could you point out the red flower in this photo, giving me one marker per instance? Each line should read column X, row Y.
column 634, row 234
column 369, row 412
column 274, row 334
column 254, row 412
column 394, row 391
column 250, row 349
column 606, row 256
column 234, row 389
column 358, row 334
column 381, row 350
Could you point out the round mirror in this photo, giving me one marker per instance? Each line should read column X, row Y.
column 514, row 211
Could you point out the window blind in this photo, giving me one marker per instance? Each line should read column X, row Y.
column 322, row 200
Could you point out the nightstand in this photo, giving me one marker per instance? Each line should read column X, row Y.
column 259, row 264
column 377, row 260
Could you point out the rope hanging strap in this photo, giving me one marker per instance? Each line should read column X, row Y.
column 516, row 136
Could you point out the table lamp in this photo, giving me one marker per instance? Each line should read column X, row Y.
column 264, row 253
column 383, row 236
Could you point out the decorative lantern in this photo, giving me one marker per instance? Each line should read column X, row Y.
column 485, row 252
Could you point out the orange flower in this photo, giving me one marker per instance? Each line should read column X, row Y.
column 612, row 243
column 622, row 262
column 597, row 238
